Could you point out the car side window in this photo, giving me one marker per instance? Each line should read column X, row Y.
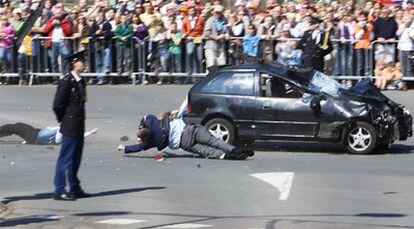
column 234, row 83
column 273, row 87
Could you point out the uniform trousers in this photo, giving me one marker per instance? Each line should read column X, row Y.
column 68, row 164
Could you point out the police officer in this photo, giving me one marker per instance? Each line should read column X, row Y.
column 69, row 107
column 315, row 45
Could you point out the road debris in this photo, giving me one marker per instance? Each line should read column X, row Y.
column 124, row 138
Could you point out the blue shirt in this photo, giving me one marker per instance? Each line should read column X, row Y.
column 47, row 135
column 250, row 44
column 177, row 126
column 294, row 57
column 176, row 130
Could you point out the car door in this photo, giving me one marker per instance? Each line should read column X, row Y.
column 230, row 93
column 282, row 111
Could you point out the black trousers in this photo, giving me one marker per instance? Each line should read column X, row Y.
column 23, row 130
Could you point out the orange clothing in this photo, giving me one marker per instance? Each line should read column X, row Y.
column 198, row 29
column 363, row 42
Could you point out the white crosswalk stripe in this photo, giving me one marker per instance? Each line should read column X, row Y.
column 282, row 181
column 120, row 221
column 187, row 225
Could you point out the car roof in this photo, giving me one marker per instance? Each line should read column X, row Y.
column 295, row 75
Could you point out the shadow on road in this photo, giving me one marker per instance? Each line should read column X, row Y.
column 401, row 149
column 165, row 155
column 270, row 224
column 317, row 147
column 107, row 213
column 49, row 195
column 380, row 215
column 28, row 220
column 124, row 191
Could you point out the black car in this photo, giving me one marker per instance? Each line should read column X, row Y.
column 265, row 101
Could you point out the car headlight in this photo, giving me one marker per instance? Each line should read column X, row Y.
column 406, row 111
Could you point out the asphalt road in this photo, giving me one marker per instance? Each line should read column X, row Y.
column 286, row 184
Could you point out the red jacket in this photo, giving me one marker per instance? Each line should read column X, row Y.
column 198, row 29
column 48, row 29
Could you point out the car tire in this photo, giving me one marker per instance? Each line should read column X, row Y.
column 222, row 129
column 361, row 138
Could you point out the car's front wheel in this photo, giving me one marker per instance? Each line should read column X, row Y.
column 361, row 138
column 222, row 129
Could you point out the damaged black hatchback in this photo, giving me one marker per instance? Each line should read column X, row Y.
column 266, row 101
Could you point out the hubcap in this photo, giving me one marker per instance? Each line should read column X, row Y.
column 359, row 139
column 219, row 131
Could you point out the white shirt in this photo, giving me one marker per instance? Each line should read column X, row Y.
column 193, row 21
column 113, row 25
column 316, row 35
column 57, row 35
column 406, row 38
column 300, row 29
column 77, row 77
column 177, row 126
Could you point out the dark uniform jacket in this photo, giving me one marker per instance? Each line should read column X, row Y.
column 69, row 106
column 313, row 54
column 159, row 134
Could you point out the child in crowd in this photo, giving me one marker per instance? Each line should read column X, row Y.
column 159, row 41
column 380, row 80
column 394, row 78
column 174, row 49
column 23, row 57
column 389, row 76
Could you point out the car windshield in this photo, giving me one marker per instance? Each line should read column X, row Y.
column 323, row 83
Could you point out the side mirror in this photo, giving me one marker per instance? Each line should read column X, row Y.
column 315, row 105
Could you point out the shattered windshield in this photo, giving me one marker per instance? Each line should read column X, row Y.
column 323, row 83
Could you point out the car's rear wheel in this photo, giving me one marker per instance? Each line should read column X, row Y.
column 361, row 138
column 222, row 129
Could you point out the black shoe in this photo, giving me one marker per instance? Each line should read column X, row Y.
column 80, row 194
column 249, row 153
column 64, row 197
column 236, row 154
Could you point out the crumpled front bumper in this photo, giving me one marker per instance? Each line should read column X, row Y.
column 405, row 126
column 394, row 124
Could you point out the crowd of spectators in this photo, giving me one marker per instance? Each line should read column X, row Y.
column 192, row 35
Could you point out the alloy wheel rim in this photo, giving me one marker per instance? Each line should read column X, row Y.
column 359, row 139
column 219, row 131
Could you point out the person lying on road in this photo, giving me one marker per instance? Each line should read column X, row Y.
column 49, row 135
column 170, row 130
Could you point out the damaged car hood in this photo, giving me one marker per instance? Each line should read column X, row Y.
column 365, row 89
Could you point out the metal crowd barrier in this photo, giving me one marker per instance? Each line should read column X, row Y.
column 141, row 56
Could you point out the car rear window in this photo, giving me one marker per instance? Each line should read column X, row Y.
column 234, row 83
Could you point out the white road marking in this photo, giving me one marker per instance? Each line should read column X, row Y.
column 282, row 181
column 51, row 217
column 120, row 221
column 187, row 225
